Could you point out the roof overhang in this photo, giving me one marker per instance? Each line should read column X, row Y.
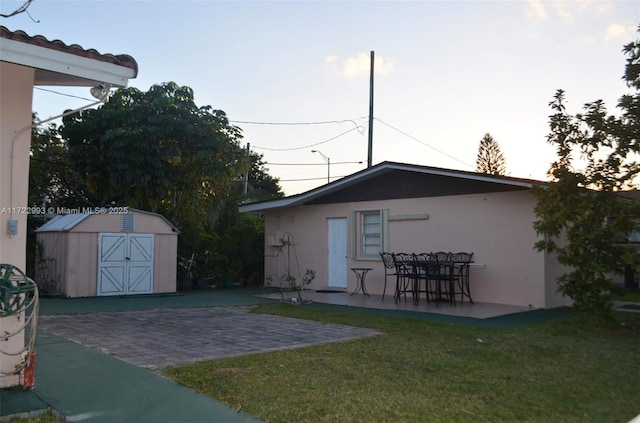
column 58, row 64
column 301, row 199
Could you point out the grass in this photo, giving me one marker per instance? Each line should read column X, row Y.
column 632, row 295
column 46, row 417
column 567, row 370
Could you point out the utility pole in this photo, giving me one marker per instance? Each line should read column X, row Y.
column 370, row 153
column 245, row 187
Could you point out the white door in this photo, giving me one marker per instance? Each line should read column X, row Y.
column 338, row 253
column 125, row 264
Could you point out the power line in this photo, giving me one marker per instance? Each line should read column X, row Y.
column 63, row 94
column 310, row 179
column 309, row 164
column 307, row 146
column 424, row 143
column 248, row 122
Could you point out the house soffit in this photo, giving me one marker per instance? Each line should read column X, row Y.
column 57, row 63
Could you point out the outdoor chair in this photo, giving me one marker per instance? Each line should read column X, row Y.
column 436, row 276
column 405, row 275
column 461, row 262
column 426, row 271
column 389, row 269
column 444, row 277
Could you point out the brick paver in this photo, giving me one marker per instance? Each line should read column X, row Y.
column 162, row 337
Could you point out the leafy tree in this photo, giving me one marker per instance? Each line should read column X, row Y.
column 580, row 214
column 159, row 151
column 53, row 181
column 156, row 151
column 490, row 158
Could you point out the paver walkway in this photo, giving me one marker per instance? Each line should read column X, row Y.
column 163, row 337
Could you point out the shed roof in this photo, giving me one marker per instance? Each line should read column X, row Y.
column 63, row 222
column 66, row 222
column 391, row 180
column 57, row 63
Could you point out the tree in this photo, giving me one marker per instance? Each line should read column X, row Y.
column 580, row 214
column 490, row 158
column 53, row 182
column 156, row 150
column 159, row 151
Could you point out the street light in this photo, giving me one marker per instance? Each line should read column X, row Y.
column 328, row 160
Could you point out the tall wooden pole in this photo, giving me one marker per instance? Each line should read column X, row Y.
column 370, row 153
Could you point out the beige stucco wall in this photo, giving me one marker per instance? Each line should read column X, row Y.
column 73, row 256
column 496, row 227
column 16, row 89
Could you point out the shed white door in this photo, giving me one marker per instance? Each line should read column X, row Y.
column 338, row 253
column 125, row 264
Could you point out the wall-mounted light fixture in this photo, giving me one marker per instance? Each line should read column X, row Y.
column 101, row 92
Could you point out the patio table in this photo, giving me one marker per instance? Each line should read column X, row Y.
column 361, row 274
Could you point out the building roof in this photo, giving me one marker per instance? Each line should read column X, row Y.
column 58, row 63
column 63, row 222
column 391, row 180
column 66, row 222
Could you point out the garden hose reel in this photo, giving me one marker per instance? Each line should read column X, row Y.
column 16, row 290
column 19, row 308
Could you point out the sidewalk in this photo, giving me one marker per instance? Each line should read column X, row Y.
column 85, row 385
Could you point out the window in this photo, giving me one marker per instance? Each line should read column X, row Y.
column 371, row 231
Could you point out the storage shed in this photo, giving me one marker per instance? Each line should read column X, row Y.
column 114, row 251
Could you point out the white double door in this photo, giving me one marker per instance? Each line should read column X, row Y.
column 125, row 263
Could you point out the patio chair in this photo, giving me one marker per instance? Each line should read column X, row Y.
column 441, row 272
column 461, row 264
column 426, row 271
column 405, row 275
column 389, row 269
column 437, row 277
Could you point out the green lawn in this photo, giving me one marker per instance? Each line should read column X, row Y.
column 566, row 370
column 627, row 295
column 46, row 417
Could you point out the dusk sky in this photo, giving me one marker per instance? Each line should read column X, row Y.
column 447, row 72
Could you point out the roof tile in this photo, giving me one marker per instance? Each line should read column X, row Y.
column 39, row 40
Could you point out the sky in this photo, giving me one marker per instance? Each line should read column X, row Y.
column 295, row 75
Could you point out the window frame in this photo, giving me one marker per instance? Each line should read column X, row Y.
column 361, row 235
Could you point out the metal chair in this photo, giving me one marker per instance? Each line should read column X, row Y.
column 405, row 275
column 461, row 264
column 426, row 270
column 389, row 269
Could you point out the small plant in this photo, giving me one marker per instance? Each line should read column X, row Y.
column 187, row 265
column 293, row 285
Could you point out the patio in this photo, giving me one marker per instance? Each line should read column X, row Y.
column 466, row 309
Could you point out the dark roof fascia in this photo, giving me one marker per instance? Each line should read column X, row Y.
column 301, row 199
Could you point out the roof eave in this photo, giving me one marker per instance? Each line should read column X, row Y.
column 382, row 167
column 62, row 68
